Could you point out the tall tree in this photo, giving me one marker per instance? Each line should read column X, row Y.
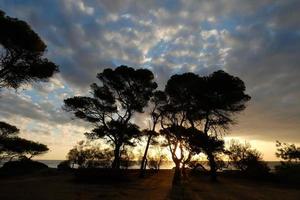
column 175, row 119
column 21, row 54
column 158, row 99
column 206, row 104
column 123, row 92
column 221, row 97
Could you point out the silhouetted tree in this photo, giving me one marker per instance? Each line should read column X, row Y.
column 7, row 130
column 123, row 92
column 207, row 104
column 12, row 146
column 207, row 144
column 245, row 158
column 289, row 168
column 158, row 99
column 156, row 158
column 21, row 54
column 175, row 115
column 86, row 155
column 21, row 147
column 218, row 97
column 126, row 158
column 288, row 152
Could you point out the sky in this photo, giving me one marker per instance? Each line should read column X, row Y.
column 257, row 40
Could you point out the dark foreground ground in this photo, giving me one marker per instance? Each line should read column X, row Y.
column 56, row 186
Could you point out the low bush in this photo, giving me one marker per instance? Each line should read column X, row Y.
column 21, row 167
column 288, row 172
column 64, row 165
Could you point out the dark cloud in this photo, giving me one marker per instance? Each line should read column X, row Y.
column 13, row 104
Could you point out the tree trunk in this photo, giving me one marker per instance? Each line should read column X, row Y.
column 143, row 163
column 184, row 173
column 183, row 169
column 213, row 166
column 116, row 162
column 177, row 174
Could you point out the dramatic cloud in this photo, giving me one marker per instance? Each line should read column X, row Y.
column 257, row 40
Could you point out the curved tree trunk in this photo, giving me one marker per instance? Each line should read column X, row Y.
column 144, row 159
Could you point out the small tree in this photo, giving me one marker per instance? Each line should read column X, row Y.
column 289, row 168
column 156, row 158
column 86, row 155
column 127, row 158
column 288, row 152
column 12, row 146
column 19, row 147
column 21, row 54
column 246, row 159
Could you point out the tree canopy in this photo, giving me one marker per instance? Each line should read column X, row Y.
column 288, row 152
column 13, row 146
column 7, row 130
column 198, row 108
column 21, row 54
column 123, row 92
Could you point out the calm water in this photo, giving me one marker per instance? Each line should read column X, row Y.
column 165, row 165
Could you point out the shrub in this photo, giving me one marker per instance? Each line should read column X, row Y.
column 22, row 166
column 64, row 165
column 86, row 155
column 288, row 152
column 246, row 159
column 288, row 172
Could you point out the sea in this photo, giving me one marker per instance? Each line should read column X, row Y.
column 135, row 164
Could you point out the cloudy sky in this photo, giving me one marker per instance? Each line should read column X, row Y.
column 257, row 40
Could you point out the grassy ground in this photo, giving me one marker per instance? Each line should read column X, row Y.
column 200, row 188
column 62, row 186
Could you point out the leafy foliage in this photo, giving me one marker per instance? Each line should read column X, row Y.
column 155, row 160
column 198, row 109
column 288, row 152
column 13, row 146
column 246, row 159
column 289, row 168
column 18, row 147
column 85, row 155
column 7, row 130
column 123, row 92
column 21, row 54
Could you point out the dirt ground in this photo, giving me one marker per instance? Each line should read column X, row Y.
column 158, row 186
